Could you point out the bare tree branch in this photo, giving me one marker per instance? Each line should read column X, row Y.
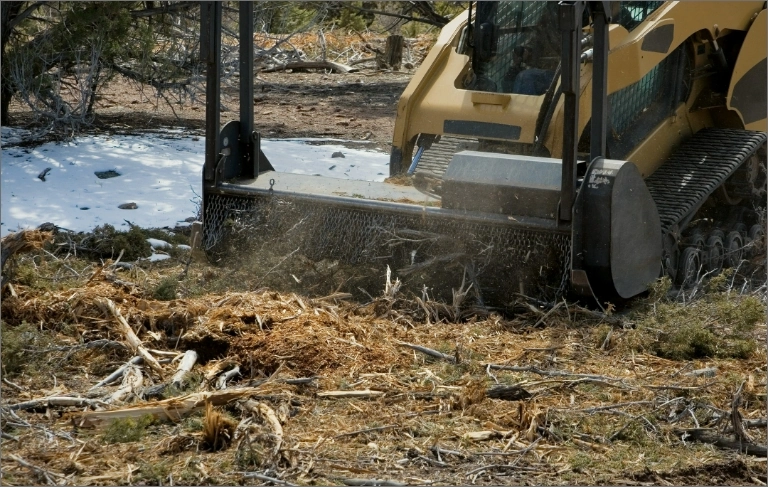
column 23, row 15
column 174, row 7
column 429, row 21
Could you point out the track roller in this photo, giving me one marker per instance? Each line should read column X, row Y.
column 714, row 253
column 756, row 239
column 688, row 269
column 734, row 248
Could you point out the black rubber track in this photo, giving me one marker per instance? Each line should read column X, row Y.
column 697, row 168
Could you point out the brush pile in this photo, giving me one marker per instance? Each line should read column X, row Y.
column 104, row 383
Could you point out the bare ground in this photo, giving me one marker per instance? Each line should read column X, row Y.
column 353, row 106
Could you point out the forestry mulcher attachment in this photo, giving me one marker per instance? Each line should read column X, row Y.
column 556, row 147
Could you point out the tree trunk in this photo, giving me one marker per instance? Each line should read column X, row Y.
column 393, row 53
column 8, row 11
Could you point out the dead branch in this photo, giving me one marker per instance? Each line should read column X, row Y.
column 12, row 384
column 269, row 417
column 373, row 482
column 551, row 373
column 118, row 373
column 511, row 465
column 437, row 451
column 612, row 406
column 130, row 336
column 166, row 410
column 6, row 436
column 57, row 401
column 169, row 8
column 298, row 381
column 132, row 382
column 429, row 351
column 364, row 394
column 367, row 430
column 736, row 422
column 333, row 66
column 258, row 476
column 185, row 366
column 674, row 387
column 47, row 474
column 221, row 383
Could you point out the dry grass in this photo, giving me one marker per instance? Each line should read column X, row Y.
column 609, row 415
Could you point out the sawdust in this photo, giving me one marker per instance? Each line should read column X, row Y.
column 591, row 414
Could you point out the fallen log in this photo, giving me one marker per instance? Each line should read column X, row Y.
column 337, row 67
column 133, row 341
column 173, row 409
column 711, row 436
column 362, row 60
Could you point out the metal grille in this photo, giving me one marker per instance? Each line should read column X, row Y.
column 435, row 251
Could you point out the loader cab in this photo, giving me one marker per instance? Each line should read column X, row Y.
column 515, row 46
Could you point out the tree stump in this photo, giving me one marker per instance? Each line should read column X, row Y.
column 393, row 53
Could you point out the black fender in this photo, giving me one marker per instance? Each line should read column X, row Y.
column 616, row 233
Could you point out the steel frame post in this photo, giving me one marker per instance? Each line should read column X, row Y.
column 210, row 52
column 250, row 162
column 570, row 14
column 601, row 17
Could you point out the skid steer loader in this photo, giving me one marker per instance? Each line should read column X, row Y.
column 556, row 147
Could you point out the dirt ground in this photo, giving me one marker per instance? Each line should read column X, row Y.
column 352, row 106
column 330, row 391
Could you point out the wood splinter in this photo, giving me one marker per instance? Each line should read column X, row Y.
column 133, row 341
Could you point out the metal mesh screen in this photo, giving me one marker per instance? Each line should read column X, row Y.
column 435, row 251
column 629, row 103
column 631, row 14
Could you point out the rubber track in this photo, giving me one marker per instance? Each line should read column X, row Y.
column 697, row 168
column 435, row 160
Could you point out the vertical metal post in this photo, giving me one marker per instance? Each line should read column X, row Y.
column 570, row 27
column 210, row 52
column 599, row 124
column 250, row 156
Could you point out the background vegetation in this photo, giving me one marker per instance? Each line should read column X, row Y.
column 58, row 55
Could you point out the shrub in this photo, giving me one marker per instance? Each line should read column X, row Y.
column 16, row 341
column 108, row 242
column 720, row 324
column 166, row 289
column 126, row 430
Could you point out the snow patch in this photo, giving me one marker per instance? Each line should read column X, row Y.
column 161, row 172
column 158, row 244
